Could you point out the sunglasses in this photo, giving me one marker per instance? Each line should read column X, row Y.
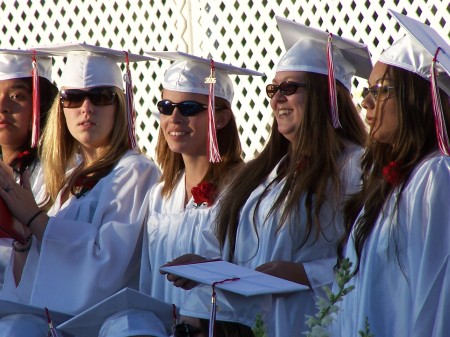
column 377, row 90
column 186, row 330
column 100, row 96
column 186, row 108
column 286, row 88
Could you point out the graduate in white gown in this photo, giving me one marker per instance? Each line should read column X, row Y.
column 18, row 97
column 399, row 224
column 283, row 215
column 180, row 208
column 89, row 245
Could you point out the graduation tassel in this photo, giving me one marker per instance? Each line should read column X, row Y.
column 52, row 331
column 131, row 113
column 35, row 118
column 212, row 316
column 441, row 130
column 332, row 85
column 213, row 152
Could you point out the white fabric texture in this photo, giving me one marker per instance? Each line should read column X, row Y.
column 172, row 231
column 403, row 285
column 254, row 249
column 91, row 246
column 21, row 325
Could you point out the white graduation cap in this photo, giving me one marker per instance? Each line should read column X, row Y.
column 230, row 307
column 90, row 66
column 16, row 63
column 18, row 320
column 188, row 73
column 198, row 75
column 126, row 313
column 234, row 293
column 424, row 52
column 307, row 51
column 415, row 51
column 316, row 51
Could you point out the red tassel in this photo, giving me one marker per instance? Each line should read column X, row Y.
column 212, row 317
column 441, row 130
column 35, row 118
column 213, row 152
column 52, row 331
column 131, row 113
column 334, row 113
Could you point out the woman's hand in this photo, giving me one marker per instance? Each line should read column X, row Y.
column 20, row 200
column 182, row 282
column 290, row 271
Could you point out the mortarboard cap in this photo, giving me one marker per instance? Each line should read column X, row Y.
column 18, row 320
column 19, row 64
column 188, row 73
column 235, row 293
column 27, row 63
column 91, row 66
column 307, row 51
column 230, row 307
column 415, row 51
column 126, row 313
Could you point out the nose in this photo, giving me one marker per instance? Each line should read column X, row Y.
column 177, row 117
column 278, row 97
column 5, row 104
column 87, row 106
column 368, row 103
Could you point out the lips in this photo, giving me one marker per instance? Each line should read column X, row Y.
column 284, row 112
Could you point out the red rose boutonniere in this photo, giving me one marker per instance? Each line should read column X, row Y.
column 392, row 173
column 204, row 193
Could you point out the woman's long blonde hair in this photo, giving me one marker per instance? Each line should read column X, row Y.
column 59, row 150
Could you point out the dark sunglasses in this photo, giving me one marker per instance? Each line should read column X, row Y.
column 286, row 88
column 377, row 90
column 100, row 96
column 186, row 108
column 186, row 330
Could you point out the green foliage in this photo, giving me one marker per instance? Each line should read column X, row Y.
column 259, row 329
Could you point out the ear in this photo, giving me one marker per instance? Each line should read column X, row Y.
column 222, row 118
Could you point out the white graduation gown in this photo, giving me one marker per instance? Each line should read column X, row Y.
column 318, row 258
column 403, row 285
column 174, row 230
column 92, row 245
column 38, row 189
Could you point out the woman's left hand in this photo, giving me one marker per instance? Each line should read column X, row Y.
column 290, row 271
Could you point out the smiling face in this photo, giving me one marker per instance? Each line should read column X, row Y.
column 381, row 112
column 15, row 112
column 289, row 109
column 91, row 125
column 187, row 135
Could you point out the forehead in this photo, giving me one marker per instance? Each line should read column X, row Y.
column 178, row 96
column 282, row 76
column 378, row 71
column 16, row 83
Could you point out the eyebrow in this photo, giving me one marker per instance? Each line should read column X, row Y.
column 21, row 86
column 379, row 80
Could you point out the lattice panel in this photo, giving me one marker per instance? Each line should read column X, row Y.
column 243, row 33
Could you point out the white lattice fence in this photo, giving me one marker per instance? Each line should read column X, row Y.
column 243, row 33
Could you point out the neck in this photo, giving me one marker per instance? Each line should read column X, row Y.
column 8, row 154
column 195, row 170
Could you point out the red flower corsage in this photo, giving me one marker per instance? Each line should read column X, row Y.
column 392, row 173
column 204, row 193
